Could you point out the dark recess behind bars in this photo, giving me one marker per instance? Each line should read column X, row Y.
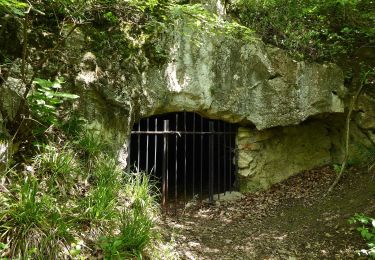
column 188, row 150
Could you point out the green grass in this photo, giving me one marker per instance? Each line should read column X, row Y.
column 137, row 220
column 57, row 168
column 102, row 199
column 62, row 205
column 30, row 223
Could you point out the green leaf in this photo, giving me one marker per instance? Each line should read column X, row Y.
column 3, row 246
column 46, row 84
column 65, row 95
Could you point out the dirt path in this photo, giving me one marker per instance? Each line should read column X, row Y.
column 291, row 221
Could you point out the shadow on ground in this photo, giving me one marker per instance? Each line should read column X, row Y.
column 293, row 220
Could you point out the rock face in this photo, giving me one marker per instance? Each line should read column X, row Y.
column 269, row 156
column 235, row 79
column 238, row 80
column 220, row 75
column 243, row 82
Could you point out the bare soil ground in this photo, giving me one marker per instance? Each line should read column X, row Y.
column 292, row 220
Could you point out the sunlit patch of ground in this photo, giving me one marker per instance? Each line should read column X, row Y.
column 290, row 221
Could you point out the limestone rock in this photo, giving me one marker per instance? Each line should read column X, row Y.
column 366, row 115
column 289, row 151
column 3, row 155
column 236, row 80
column 221, row 74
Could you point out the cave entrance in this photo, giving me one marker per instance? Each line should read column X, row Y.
column 189, row 156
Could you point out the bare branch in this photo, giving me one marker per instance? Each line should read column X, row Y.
column 347, row 133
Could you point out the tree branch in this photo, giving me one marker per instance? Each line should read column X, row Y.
column 347, row 133
column 39, row 66
column 24, row 47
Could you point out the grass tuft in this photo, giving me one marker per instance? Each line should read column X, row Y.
column 137, row 220
column 60, row 205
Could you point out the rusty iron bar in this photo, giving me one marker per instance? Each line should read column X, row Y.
column 176, row 167
column 217, row 170
column 201, row 168
column 165, row 167
column 211, row 163
column 231, row 161
column 218, row 162
column 182, row 132
column 128, row 158
column 193, row 181
column 147, row 142
column 225, row 160
column 185, row 161
column 156, row 145
column 139, row 147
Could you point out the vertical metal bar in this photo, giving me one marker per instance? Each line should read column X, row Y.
column 129, row 152
column 201, row 161
column 156, row 146
column 185, row 155
column 235, row 155
column 211, row 162
column 139, row 146
column 176, row 167
column 165, row 165
column 231, row 159
column 225, row 157
column 218, row 161
column 167, row 161
column 147, row 143
column 193, row 177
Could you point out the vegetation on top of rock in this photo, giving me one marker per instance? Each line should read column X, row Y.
column 315, row 29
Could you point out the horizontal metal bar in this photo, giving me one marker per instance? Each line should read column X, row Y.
column 179, row 132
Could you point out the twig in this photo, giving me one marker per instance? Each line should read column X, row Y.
column 24, row 47
column 347, row 134
column 40, row 65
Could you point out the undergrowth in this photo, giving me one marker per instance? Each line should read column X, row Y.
column 71, row 200
column 367, row 231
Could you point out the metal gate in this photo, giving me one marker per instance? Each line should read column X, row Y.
column 190, row 156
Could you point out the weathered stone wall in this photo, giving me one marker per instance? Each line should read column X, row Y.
column 270, row 156
column 219, row 74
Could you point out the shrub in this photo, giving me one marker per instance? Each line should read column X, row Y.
column 314, row 29
column 367, row 230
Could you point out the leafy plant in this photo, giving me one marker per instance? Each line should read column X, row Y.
column 310, row 29
column 135, row 234
column 367, row 231
column 13, row 7
column 45, row 100
column 91, row 144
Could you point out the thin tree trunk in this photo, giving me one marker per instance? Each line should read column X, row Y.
column 353, row 102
